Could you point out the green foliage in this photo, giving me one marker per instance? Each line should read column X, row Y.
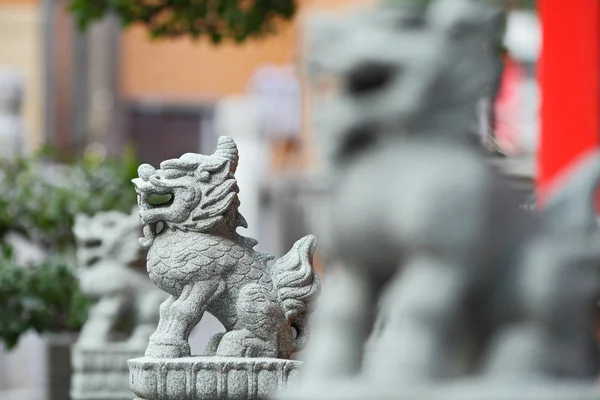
column 40, row 201
column 61, row 305
column 45, row 298
column 217, row 20
column 13, row 286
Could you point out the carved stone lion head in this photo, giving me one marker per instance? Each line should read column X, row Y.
column 199, row 193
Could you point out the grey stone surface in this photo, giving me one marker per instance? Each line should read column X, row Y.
column 397, row 72
column 210, row 377
column 196, row 255
column 439, row 285
column 106, row 246
column 353, row 389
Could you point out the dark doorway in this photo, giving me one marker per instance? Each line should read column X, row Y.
column 163, row 131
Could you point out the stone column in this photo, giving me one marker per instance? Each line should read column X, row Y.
column 103, row 100
column 12, row 135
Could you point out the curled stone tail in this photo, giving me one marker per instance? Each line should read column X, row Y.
column 297, row 286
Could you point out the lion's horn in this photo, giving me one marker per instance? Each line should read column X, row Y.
column 227, row 149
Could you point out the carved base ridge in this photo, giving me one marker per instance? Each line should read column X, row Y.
column 100, row 372
column 223, row 378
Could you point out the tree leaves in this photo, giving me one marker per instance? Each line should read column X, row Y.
column 45, row 298
column 216, row 20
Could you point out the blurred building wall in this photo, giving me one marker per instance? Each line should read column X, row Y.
column 179, row 69
column 20, row 47
column 184, row 68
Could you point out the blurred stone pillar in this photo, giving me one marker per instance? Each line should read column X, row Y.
column 59, row 47
column 12, row 135
column 81, row 81
column 102, row 116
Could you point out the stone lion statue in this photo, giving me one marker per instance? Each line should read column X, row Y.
column 106, row 246
column 448, row 289
column 196, row 255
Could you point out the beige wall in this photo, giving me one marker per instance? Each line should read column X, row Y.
column 182, row 68
column 18, row 2
column 20, row 47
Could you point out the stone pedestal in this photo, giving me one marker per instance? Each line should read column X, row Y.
column 358, row 389
column 58, row 368
column 101, row 373
column 223, row 378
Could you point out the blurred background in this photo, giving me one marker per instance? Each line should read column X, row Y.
column 80, row 109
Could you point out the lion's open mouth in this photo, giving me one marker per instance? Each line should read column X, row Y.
column 93, row 261
column 156, row 200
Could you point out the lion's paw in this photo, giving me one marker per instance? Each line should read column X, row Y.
column 243, row 343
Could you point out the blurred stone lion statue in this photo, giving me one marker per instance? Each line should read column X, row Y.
column 107, row 243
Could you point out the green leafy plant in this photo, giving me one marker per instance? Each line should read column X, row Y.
column 61, row 305
column 217, row 20
column 40, row 199
column 13, row 286
column 45, row 298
